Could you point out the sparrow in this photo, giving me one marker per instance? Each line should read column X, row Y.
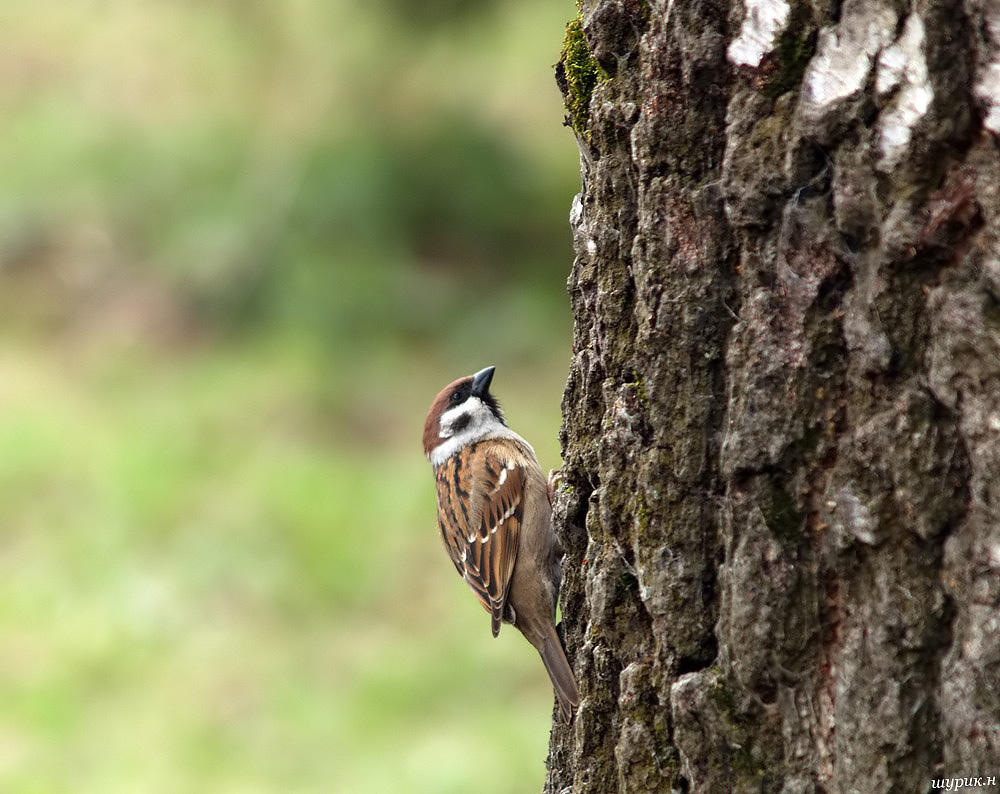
column 495, row 517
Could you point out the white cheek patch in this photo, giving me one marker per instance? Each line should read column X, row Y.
column 470, row 419
column 465, row 424
column 462, row 414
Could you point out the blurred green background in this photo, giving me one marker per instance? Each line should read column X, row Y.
column 242, row 246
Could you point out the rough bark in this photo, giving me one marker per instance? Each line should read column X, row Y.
column 781, row 493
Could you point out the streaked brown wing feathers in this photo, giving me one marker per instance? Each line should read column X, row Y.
column 480, row 511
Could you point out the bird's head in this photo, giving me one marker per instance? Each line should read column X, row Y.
column 463, row 412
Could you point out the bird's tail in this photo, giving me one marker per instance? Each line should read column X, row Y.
column 563, row 680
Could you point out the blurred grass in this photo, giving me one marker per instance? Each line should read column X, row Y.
column 242, row 245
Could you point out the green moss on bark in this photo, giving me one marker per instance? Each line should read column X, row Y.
column 795, row 49
column 577, row 73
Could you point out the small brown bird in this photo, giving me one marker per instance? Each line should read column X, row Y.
column 496, row 519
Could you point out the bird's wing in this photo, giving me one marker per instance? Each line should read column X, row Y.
column 480, row 511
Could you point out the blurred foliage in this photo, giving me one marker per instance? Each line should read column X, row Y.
column 274, row 155
column 242, row 245
column 441, row 12
column 393, row 231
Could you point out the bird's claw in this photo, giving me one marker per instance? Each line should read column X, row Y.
column 554, row 481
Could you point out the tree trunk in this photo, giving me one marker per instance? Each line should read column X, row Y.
column 781, row 493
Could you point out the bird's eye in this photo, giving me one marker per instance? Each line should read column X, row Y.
column 456, row 398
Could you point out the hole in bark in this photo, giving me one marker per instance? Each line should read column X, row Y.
column 831, row 291
column 699, row 661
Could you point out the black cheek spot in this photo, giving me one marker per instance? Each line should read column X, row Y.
column 460, row 423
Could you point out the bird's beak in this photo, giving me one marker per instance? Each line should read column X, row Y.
column 481, row 381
